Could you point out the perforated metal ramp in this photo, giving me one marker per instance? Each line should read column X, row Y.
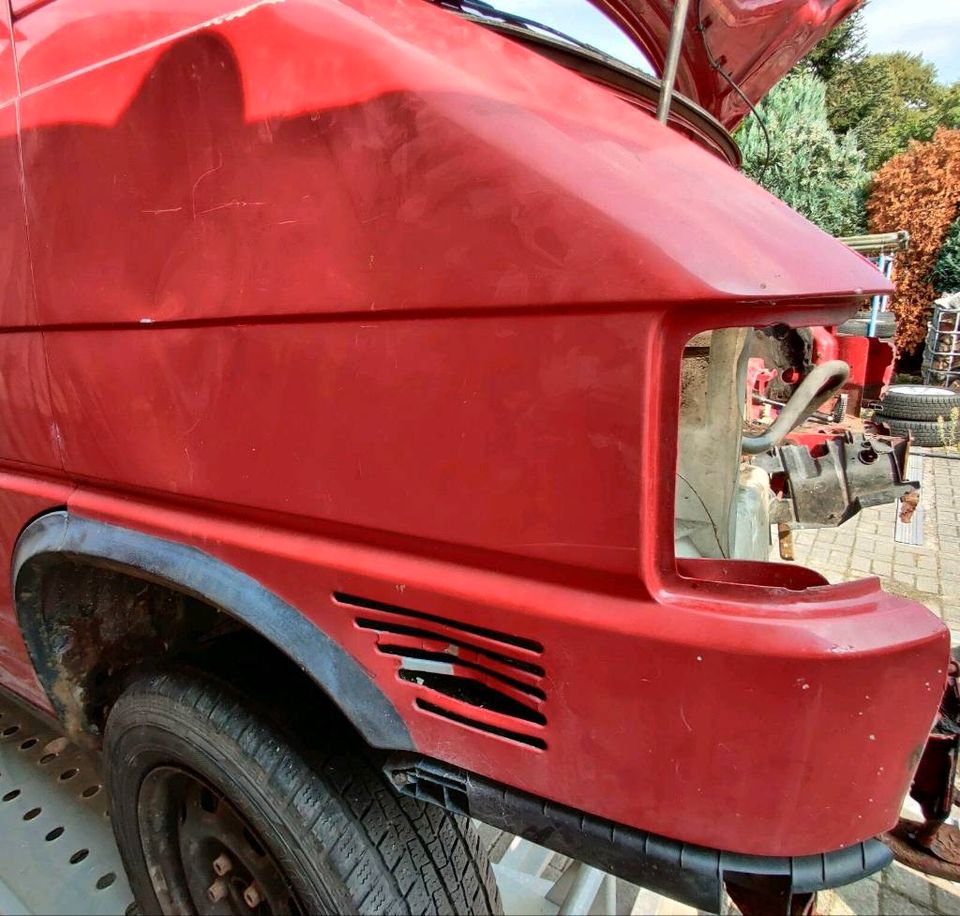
column 58, row 855
column 57, row 852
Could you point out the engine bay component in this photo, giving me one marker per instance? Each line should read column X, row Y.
column 821, row 383
column 824, row 480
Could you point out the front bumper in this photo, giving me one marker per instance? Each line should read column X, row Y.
column 692, row 874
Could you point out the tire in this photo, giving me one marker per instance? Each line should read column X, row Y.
column 925, row 432
column 919, row 402
column 190, row 765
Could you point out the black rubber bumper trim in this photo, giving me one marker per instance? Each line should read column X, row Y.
column 61, row 534
column 692, row 874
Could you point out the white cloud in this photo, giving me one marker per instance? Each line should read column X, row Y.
column 928, row 27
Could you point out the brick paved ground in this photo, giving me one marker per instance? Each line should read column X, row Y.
column 930, row 574
column 895, row 890
column 865, row 545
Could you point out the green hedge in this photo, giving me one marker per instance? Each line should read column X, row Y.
column 945, row 275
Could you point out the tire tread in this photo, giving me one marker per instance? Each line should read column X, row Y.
column 925, row 433
column 392, row 854
column 902, row 405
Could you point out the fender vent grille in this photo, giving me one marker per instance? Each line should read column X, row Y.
column 481, row 678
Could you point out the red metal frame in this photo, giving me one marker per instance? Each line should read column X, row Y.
column 755, row 43
column 359, row 297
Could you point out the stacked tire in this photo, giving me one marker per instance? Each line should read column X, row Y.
column 923, row 411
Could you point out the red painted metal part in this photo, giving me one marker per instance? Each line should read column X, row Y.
column 869, row 358
column 756, row 43
column 361, row 297
column 758, row 377
column 871, row 366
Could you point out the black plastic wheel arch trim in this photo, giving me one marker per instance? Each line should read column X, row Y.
column 692, row 874
column 201, row 575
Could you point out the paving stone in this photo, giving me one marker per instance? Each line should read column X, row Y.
column 867, row 541
column 946, row 897
column 897, row 905
column 949, row 585
column 859, row 899
column 934, row 604
column 909, row 883
column 910, row 550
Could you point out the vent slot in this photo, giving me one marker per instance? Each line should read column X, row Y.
column 520, row 642
column 485, row 679
column 449, row 658
column 474, row 693
column 427, row 706
column 401, row 630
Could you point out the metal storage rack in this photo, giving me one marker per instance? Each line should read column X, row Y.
column 941, row 357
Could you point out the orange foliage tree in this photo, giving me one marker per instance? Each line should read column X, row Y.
column 918, row 190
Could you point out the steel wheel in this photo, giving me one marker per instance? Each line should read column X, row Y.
column 204, row 787
column 202, row 854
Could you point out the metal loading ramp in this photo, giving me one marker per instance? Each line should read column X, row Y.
column 58, row 855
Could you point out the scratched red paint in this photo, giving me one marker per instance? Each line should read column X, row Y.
column 358, row 296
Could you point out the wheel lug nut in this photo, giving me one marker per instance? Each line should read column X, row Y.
column 251, row 896
column 217, row 891
column 222, row 864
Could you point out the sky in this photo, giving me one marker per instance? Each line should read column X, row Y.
column 930, row 27
column 584, row 21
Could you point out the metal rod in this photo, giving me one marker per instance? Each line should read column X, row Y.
column 878, row 243
column 877, row 302
column 816, row 415
column 673, row 58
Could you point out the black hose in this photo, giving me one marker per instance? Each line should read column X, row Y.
column 822, row 382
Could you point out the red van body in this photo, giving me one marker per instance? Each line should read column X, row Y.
column 384, row 312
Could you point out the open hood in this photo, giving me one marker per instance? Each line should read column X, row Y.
column 755, row 42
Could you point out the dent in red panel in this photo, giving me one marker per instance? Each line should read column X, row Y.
column 28, row 433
